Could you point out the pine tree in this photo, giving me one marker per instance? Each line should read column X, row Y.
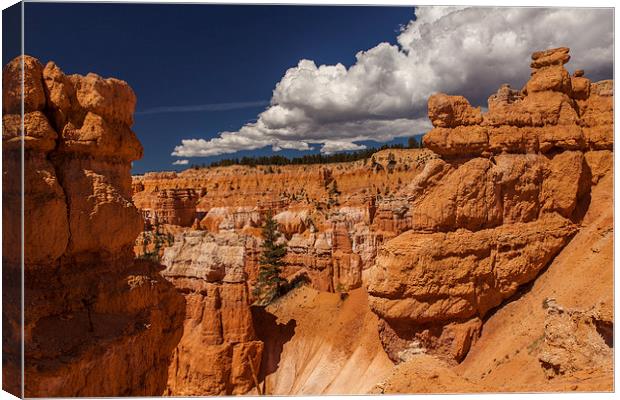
column 269, row 282
column 333, row 194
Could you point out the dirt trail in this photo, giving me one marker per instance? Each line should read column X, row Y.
column 323, row 344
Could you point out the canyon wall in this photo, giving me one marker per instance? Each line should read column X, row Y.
column 333, row 217
column 507, row 195
column 167, row 206
column 97, row 322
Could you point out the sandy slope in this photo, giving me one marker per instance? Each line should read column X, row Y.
column 323, row 344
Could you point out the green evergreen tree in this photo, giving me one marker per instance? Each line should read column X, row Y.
column 269, row 282
column 333, row 194
column 333, row 191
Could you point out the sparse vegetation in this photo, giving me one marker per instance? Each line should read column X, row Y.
column 333, row 194
column 159, row 239
column 269, row 283
column 307, row 159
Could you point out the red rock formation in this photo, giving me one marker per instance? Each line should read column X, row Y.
column 219, row 347
column 553, row 112
column 507, row 356
column 167, row 206
column 88, row 304
column 334, row 255
column 499, row 206
column 332, row 237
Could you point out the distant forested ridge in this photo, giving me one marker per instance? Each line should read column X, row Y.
column 413, row 143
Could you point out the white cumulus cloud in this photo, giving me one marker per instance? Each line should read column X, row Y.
column 181, row 162
column 333, row 146
column 468, row 51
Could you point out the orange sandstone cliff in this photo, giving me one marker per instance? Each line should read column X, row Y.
column 97, row 322
column 219, row 352
column 515, row 189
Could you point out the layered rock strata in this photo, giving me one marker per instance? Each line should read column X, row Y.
column 168, row 206
column 333, row 218
column 88, row 303
column 219, row 353
column 505, row 198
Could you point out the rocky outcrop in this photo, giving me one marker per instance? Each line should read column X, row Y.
column 167, row 206
column 504, row 200
column 219, row 349
column 484, row 193
column 576, row 340
column 437, row 277
column 553, row 112
column 88, row 303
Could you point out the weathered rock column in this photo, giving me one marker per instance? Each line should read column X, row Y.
column 97, row 322
column 219, row 346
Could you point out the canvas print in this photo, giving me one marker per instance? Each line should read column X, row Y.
column 205, row 199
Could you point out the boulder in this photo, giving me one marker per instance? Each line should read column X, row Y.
column 452, row 111
column 546, row 58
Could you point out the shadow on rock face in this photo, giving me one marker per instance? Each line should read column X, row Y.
column 606, row 330
column 274, row 335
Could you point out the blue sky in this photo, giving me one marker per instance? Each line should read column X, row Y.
column 187, row 55
column 217, row 81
